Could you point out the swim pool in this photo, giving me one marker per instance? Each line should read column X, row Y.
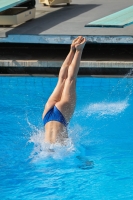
column 101, row 129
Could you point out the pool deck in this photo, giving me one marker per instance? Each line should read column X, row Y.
column 61, row 23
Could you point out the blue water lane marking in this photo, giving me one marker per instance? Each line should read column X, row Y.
column 119, row 19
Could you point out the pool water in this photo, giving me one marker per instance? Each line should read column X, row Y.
column 100, row 133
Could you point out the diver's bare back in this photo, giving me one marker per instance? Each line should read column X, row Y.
column 55, row 132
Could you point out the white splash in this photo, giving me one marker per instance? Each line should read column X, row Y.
column 70, row 155
column 43, row 150
column 105, row 108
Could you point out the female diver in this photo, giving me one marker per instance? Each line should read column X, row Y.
column 60, row 105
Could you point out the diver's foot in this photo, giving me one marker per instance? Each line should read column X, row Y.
column 73, row 43
column 80, row 43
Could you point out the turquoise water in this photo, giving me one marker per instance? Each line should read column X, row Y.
column 100, row 131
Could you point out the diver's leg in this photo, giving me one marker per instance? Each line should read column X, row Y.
column 57, row 93
column 68, row 99
column 70, row 56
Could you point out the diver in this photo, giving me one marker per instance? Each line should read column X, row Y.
column 61, row 104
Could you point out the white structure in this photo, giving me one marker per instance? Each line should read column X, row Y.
column 14, row 12
column 54, row 2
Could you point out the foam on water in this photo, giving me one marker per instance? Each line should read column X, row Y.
column 43, row 150
column 106, row 108
column 101, row 109
column 71, row 154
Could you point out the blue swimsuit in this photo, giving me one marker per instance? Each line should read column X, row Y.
column 54, row 115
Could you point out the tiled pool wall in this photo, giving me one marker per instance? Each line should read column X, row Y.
column 55, row 70
column 40, row 59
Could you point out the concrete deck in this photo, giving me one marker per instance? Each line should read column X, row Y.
column 61, row 23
